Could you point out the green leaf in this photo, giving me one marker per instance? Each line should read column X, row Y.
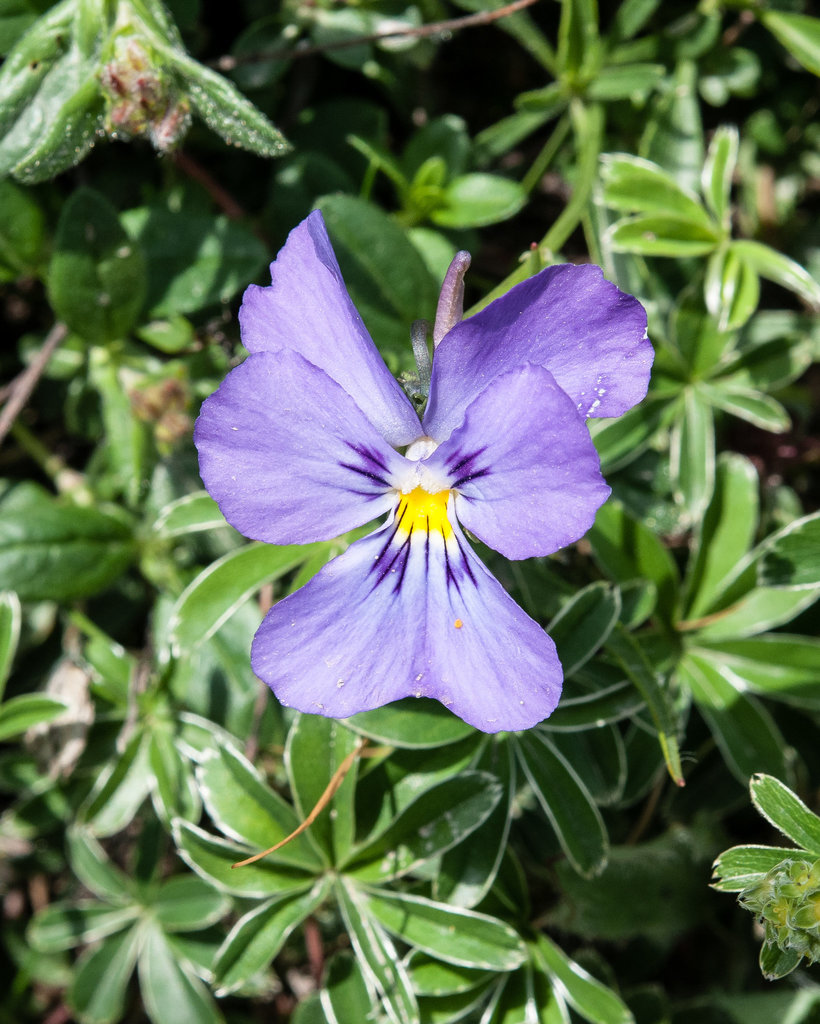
column 121, row 787
column 718, row 169
column 91, row 865
column 213, row 858
column 692, row 454
column 213, row 596
column 673, row 136
column 654, row 690
column 475, row 200
column 744, row 731
column 755, row 612
column 412, row 724
column 781, row 666
column 188, row 514
column 246, row 809
column 741, row 866
column 452, row 934
column 165, row 982
column 439, row 818
column 625, row 82
column 10, row 617
column 315, row 749
column 376, row 955
column 612, row 703
column 345, row 995
column 594, row 1001
column 566, row 802
column 172, row 786
column 658, row 235
column 22, row 232
column 97, row 276
column 579, row 44
column 224, row 109
column 583, row 624
column 776, row 963
column 599, row 758
column 774, row 266
column 193, row 260
column 186, row 903
column 747, row 404
column 29, row 709
column 101, row 976
column 622, row 439
column 787, row 812
column 799, row 33
column 731, row 288
column 62, row 926
column 628, row 550
column 791, row 557
column 258, row 937
column 725, row 533
column 633, row 185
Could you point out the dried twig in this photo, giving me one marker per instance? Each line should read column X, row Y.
column 434, row 28
column 23, row 385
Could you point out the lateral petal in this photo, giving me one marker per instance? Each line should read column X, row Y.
column 409, row 614
column 522, row 464
column 289, row 456
column 306, row 309
column 568, row 319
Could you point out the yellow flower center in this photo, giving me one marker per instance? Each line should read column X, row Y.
column 421, row 510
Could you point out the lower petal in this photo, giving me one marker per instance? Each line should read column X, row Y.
column 409, row 614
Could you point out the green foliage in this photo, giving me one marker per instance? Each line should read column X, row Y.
column 544, row 877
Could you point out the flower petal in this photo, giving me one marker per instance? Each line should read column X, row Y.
column 526, row 473
column 289, row 456
column 587, row 333
column 307, row 309
column 409, row 614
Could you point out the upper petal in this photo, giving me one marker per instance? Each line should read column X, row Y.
column 587, row 333
column 307, row 309
column 525, row 471
column 289, row 456
column 401, row 615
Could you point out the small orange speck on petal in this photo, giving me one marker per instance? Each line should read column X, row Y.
column 458, row 623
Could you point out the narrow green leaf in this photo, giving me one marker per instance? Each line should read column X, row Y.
column 760, row 609
column 693, row 453
column 166, row 982
column 10, row 617
column 258, row 937
column 96, row 279
column 622, row 439
column 101, row 976
column 213, row 858
column 725, row 533
column 598, row 756
column 566, row 802
column 744, row 731
column 673, row 136
column 774, row 266
column 246, row 809
column 377, row 957
column 652, row 688
column 791, row 557
column 583, row 624
column 625, row 82
column 718, row 169
column 741, row 866
column 345, row 995
column 634, row 185
column 64, row 925
column 787, row 812
column 776, row 963
column 315, row 749
column 91, row 865
column 475, row 200
column 189, row 514
column 22, row 232
column 411, row 724
column 29, row 709
column 747, row 404
column 225, row 110
column 731, row 288
column 453, row 934
column 782, row 666
column 440, row 817
column 628, row 550
column 57, row 552
column 594, row 1001
column 799, row 33
column 215, row 594
column 121, row 788
column 657, row 235
column 186, row 903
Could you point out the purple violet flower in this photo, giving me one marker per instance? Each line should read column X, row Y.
column 301, row 443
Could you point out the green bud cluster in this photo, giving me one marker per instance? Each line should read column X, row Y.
column 786, row 900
